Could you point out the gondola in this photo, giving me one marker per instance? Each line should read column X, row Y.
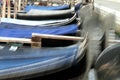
column 22, row 61
column 60, row 7
column 26, row 61
column 24, row 31
column 40, row 23
column 27, row 50
column 34, row 14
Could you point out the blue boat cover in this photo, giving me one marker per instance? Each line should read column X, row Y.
column 43, row 56
column 24, row 31
column 61, row 7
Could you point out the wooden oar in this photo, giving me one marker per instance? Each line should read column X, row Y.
column 60, row 37
column 35, row 41
column 19, row 40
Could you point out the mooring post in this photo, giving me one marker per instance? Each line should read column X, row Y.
column 19, row 5
column 8, row 9
column 26, row 2
column 4, row 9
column 15, row 8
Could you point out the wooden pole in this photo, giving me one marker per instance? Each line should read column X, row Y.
column 8, row 9
column 4, row 9
column 48, row 2
column 37, row 38
column 35, row 41
column 60, row 37
column 19, row 5
column 15, row 8
column 25, row 3
column 19, row 40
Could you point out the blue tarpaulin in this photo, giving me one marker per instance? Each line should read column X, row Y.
column 29, row 7
column 22, row 31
